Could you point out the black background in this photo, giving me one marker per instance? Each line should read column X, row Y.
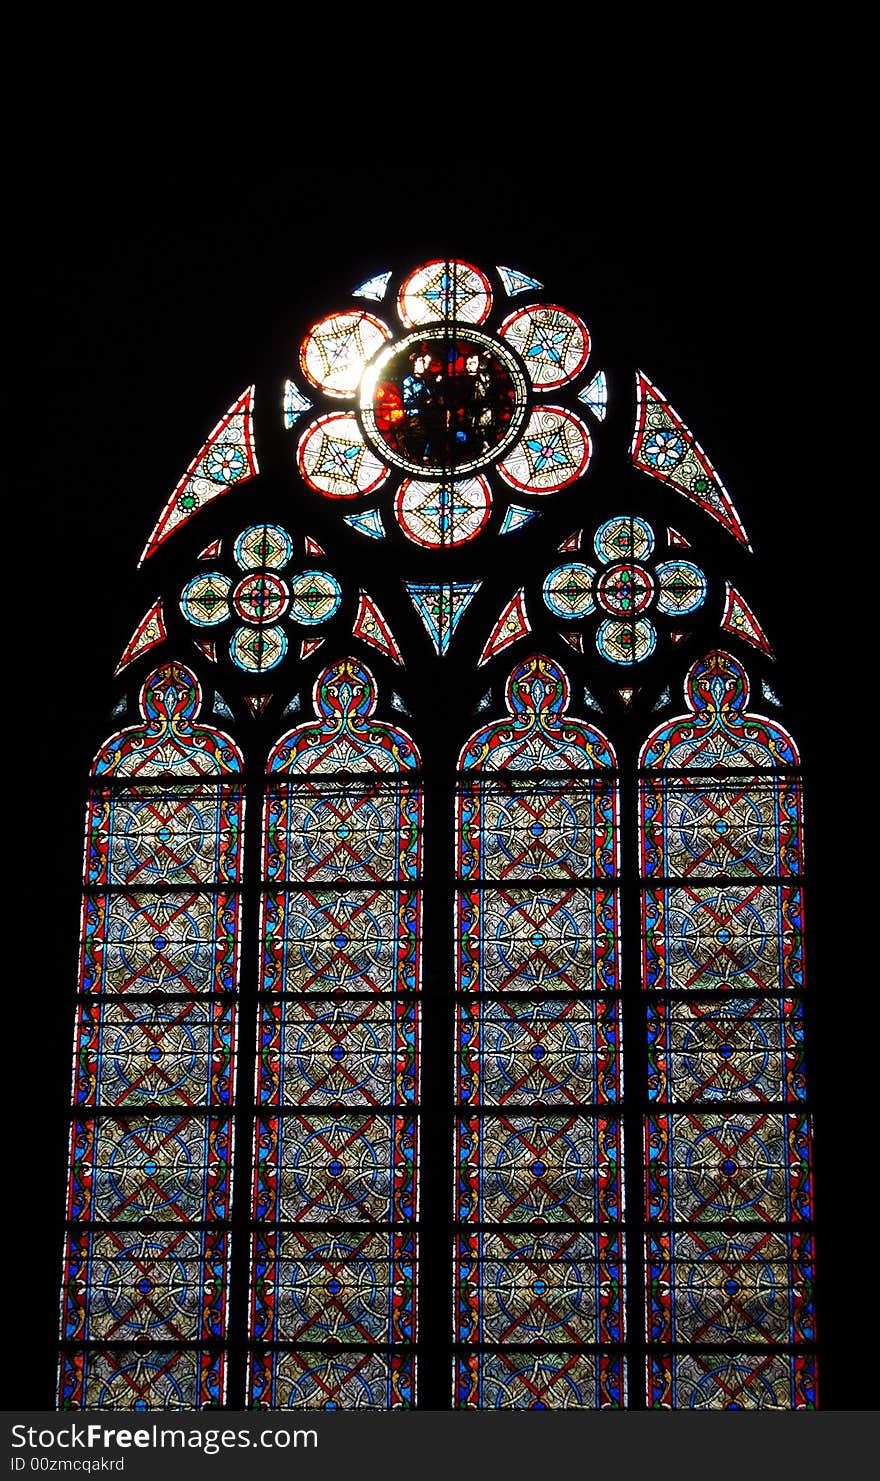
column 153, row 287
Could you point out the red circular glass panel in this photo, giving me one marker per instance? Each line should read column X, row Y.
column 434, row 404
column 262, row 597
column 625, row 589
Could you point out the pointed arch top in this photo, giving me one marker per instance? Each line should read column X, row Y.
column 538, row 733
column 168, row 743
column 719, row 731
column 345, row 737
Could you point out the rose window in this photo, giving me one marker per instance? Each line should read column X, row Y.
column 625, row 591
column 262, row 598
column 447, row 420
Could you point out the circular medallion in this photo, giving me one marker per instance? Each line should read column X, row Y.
column 553, row 343
column 314, row 597
column 624, row 538
column 334, row 353
column 553, row 451
column 262, row 597
column 224, row 462
column 442, row 514
column 204, row 599
column 257, row 649
column 682, row 588
column 445, row 290
column 333, row 458
column 626, row 642
column 263, row 545
column 568, row 590
column 625, row 589
column 663, row 450
column 435, row 404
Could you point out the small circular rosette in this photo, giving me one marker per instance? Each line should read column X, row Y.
column 626, row 590
column 258, row 649
column 444, row 291
column 568, row 590
column 263, row 546
column 682, row 588
column 553, row 344
column 204, row 600
column 314, row 597
column 261, row 598
column 335, row 353
column 334, row 459
column 437, row 515
column 554, row 450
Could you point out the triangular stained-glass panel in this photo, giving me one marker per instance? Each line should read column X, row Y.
column 312, row 547
column 221, row 708
column 511, row 625
column 676, row 539
column 374, row 288
column 370, row 626
column 227, row 458
column 574, row 640
column 310, row 646
column 516, row 282
column 573, row 542
column 665, row 447
column 369, row 523
column 740, row 619
column 441, row 608
column 211, row 552
column 595, row 395
column 293, row 404
column 207, row 647
column 516, row 516
column 256, row 703
column 149, row 632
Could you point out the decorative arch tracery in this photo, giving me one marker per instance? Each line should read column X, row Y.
column 336, row 1144
column 729, row 1199
column 539, row 1269
column 144, row 1303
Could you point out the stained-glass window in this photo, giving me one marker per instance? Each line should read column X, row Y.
column 728, row 1247
column 539, row 1245
column 145, row 1298
column 350, row 1124
column 336, row 1138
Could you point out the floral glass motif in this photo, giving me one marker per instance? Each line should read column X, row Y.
column 728, row 1180
column 626, row 590
column 146, row 1255
column 537, row 1056
column 445, row 418
column 336, row 1141
column 262, row 598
